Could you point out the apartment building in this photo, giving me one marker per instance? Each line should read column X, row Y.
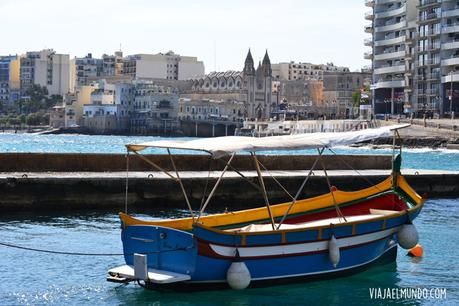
column 338, row 89
column 415, row 55
column 112, row 65
column 168, row 66
column 46, row 68
column 155, row 109
column 87, row 68
column 391, row 44
column 438, row 56
column 303, row 71
column 9, row 79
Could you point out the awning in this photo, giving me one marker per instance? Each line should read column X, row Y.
column 220, row 146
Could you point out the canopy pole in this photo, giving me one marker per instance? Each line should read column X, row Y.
column 127, row 183
column 156, row 166
column 338, row 211
column 278, row 183
column 263, row 189
column 181, row 184
column 243, row 176
column 301, row 188
column 215, row 186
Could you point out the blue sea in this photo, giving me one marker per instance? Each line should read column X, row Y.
column 419, row 158
column 32, row 278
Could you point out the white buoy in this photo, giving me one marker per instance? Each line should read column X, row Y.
column 407, row 236
column 238, row 275
column 333, row 251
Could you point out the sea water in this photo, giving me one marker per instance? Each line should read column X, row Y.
column 34, row 278
column 420, row 158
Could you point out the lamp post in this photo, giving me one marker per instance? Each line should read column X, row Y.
column 451, row 95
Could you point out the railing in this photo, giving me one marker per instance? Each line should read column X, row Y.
column 429, row 2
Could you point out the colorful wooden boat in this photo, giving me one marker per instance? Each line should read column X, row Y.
column 331, row 235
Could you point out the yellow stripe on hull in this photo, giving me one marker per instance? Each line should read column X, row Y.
column 251, row 215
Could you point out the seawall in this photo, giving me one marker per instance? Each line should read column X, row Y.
column 37, row 182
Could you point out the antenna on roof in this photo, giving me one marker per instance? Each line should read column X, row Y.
column 120, row 46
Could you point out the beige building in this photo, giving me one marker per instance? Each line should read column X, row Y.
column 168, row 66
column 339, row 88
column 48, row 69
column 303, row 71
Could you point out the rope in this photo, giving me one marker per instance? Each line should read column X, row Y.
column 357, row 171
column 83, row 254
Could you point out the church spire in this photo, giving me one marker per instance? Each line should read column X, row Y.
column 267, row 70
column 249, row 68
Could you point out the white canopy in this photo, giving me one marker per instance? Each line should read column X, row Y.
column 220, row 146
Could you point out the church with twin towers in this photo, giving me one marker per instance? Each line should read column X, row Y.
column 251, row 86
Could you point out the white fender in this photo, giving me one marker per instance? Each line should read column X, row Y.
column 407, row 236
column 238, row 275
column 333, row 251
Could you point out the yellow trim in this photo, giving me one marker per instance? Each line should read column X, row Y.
column 250, row 215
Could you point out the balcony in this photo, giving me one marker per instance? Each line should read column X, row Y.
column 368, row 41
column 391, row 13
column 390, row 55
column 450, row 45
column 391, row 40
column 451, row 12
column 429, row 17
column 390, row 69
column 393, row 83
column 427, row 3
column 450, row 78
column 450, row 28
column 450, row 62
column 369, row 3
column 429, row 48
column 368, row 55
column 386, row 1
column 368, row 28
column 369, row 15
column 391, row 27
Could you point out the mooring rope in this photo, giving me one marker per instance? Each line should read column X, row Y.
column 84, row 254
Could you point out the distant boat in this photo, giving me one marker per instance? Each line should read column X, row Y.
column 331, row 235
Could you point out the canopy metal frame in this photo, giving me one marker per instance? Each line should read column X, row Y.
column 260, row 187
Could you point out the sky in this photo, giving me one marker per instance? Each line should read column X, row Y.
column 217, row 32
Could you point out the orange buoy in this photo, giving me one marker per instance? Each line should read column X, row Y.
column 417, row 251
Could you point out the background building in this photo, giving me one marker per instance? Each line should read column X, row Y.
column 339, row 88
column 415, row 56
column 48, row 69
column 87, row 68
column 303, row 71
column 169, row 66
column 391, row 45
column 9, row 79
column 155, row 109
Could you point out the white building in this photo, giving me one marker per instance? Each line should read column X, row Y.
column 306, row 71
column 169, row 66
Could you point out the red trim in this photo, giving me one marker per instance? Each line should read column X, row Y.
column 385, row 202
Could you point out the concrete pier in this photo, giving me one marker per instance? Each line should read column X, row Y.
column 38, row 191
